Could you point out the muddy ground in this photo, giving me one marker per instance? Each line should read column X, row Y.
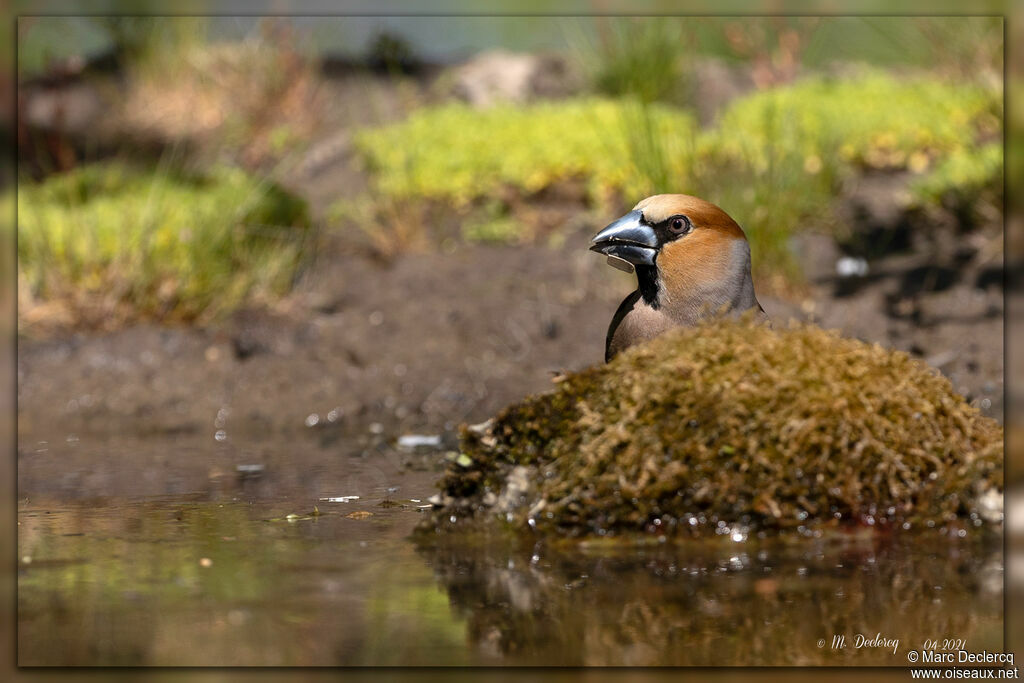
column 368, row 349
column 430, row 340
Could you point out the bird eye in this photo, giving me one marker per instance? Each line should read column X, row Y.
column 678, row 225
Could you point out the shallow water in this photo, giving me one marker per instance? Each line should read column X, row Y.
column 161, row 551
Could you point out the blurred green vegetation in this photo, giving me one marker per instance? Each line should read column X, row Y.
column 494, row 226
column 955, row 45
column 248, row 101
column 142, row 40
column 455, row 153
column 777, row 158
column 774, row 159
column 646, row 59
column 113, row 239
column 873, row 120
column 965, row 178
column 959, row 44
column 1015, row 144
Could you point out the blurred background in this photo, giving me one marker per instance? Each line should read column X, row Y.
column 328, row 184
column 256, row 257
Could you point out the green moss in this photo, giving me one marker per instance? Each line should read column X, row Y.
column 113, row 238
column 873, row 120
column 495, row 229
column 965, row 175
column 459, row 154
column 775, row 160
column 733, row 427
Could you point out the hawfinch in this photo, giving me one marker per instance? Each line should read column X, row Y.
column 692, row 261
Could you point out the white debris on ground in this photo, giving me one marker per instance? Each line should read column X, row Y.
column 411, row 442
column 848, row 266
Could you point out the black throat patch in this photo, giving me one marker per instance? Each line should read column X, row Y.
column 647, row 278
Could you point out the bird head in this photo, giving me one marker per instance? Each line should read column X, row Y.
column 678, row 245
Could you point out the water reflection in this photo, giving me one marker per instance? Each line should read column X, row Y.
column 722, row 603
column 188, row 581
column 196, row 583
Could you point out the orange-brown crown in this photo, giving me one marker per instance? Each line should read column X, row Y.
column 702, row 214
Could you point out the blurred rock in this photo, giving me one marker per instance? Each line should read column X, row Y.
column 73, row 109
column 715, row 84
column 500, row 76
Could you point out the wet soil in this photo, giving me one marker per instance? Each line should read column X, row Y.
column 430, row 340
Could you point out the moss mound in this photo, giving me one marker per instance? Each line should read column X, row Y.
column 733, row 428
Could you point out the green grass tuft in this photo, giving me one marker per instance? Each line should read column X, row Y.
column 113, row 240
column 645, row 58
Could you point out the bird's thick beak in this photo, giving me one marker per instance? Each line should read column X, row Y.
column 628, row 239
